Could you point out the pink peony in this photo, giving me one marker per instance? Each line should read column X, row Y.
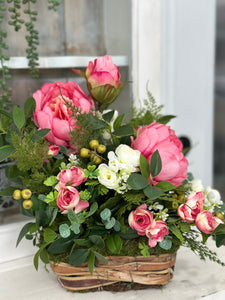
column 103, row 79
column 73, row 177
column 53, row 150
column 68, row 198
column 140, row 219
column 156, row 232
column 53, row 112
column 160, row 137
column 192, row 207
column 206, row 222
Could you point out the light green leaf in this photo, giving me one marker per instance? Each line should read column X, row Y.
column 110, row 223
column 75, row 227
column 155, row 164
column 49, row 235
column 105, row 214
column 176, row 232
column 118, row 121
column 18, row 117
column 137, row 181
column 50, row 181
column 64, row 230
column 165, row 186
column 152, row 192
column 6, row 151
column 166, row 244
column 91, row 262
column 114, row 243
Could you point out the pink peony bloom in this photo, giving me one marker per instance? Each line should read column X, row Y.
column 140, row 219
column 206, row 222
column 69, row 198
column 156, row 232
column 192, row 207
column 53, row 150
column 160, row 137
column 103, row 79
column 73, row 177
column 53, row 112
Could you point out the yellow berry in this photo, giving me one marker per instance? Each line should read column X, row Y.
column 174, row 205
column 96, row 159
column 174, row 196
column 219, row 215
column 84, row 152
column 26, row 194
column 93, row 144
column 17, row 195
column 27, row 204
column 101, row 149
column 181, row 197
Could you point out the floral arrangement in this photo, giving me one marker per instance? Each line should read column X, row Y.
column 94, row 184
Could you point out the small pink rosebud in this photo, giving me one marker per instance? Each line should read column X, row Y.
column 206, row 222
column 53, row 150
column 156, row 233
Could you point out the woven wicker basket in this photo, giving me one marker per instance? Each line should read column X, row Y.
column 121, row 273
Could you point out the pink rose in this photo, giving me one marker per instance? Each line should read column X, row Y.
column 103, row 79
column 54, row 113
column 206, row 222
column 160, row 137
column 156, row 232
column 53, row 150
column 68, row 198
column 73, row 177
column 140, row 219
column 192, row 207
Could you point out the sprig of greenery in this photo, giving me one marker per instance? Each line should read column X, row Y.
column 15, row 21
column 53, row 4
column 32, row 39
column 191, row 241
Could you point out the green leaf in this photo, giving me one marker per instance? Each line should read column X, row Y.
column 5, row 113
column 108, row 116
column 165, row 119
column 137, row 181
column 78, row 257
column 152, row 192
column 166, row 244
column 114, row 243
column 119, row 120
column 105, row 214
column 50, row 181
column 101, row 258
column 44, row 256
column 75, row 227
column 6, row 151
column 83, row 242
column 29, row 107
column 18, row 117
column 184, row 226
column 95, row 123
column 155, row 164
column 64, row 230
column 176, row 232
column 204, row 237
column 110, row 223
column 91, row 262
column 129, row 234
column 8, row 191
column 92, row 210
column 42, row 218
column 124, row 130
column 145, row 168
column 40, row 134
column 36, row 257
column 60, row 246
column 165, row 186
column 97, row 240
column 220, row 229
column 23, row 232
column 54, row 214
column 220, row 240
column 49, row 235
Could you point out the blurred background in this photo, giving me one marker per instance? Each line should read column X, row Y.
column 82, row 29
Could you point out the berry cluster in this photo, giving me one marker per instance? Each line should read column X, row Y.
column 26, row 195
column 94, row 153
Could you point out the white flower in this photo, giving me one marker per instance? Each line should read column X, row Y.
column 196, row 185
column 212, row 198
column 113, row 161
column 108, row 177
column 128, row 156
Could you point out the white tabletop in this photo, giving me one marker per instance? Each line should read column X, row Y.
column 193, row 279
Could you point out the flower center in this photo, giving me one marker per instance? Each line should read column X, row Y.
column 59, row 107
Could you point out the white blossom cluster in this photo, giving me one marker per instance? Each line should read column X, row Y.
column 212, row 196
column 122, row 163
column 158, row 211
